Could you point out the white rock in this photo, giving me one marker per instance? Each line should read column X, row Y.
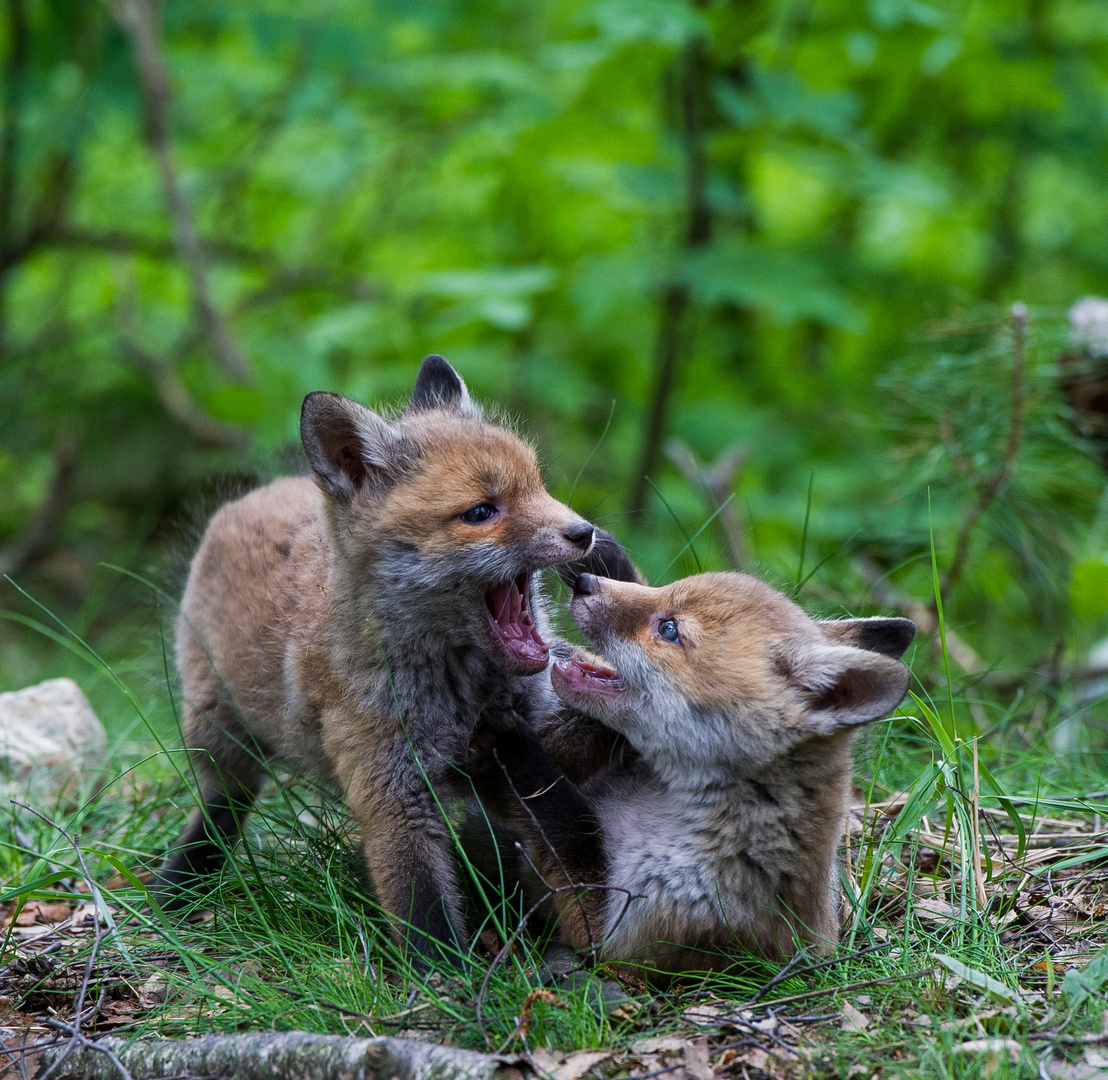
column 51, row 724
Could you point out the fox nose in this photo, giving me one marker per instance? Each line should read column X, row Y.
column 581, row 534
column 585, row 585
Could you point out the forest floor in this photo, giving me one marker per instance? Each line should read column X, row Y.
column 961, row 955
column 975, row 919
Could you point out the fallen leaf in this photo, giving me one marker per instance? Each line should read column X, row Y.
column 853, row 1020
column 1060, row 1069
column 544, row 1061
column 1042, row 965
column 757, row 1058
column 35, row 912
column 697, row 1064
column 659, row 1044
column 767, row 1025
column 977, row 979
column 120, row 882
column 576, row 1065
column 990, row 1046
column 931, row 909
column 703, row 1015
column 153, row 991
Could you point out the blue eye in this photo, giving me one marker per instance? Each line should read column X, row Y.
column 667, row 630
column 476, row 514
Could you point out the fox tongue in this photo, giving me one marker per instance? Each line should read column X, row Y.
column 511, row 618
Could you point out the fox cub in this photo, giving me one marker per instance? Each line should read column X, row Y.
column 720, row 822
column 356, row 626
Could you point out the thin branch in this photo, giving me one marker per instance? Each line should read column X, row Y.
column 178, row 403
column 285, row 279
column 14, row 71
column 693, row 75
column 32, row 540
column 138, row 21
column 85, row 1043
column 847, row 988
column 153, row 247
column 717, row 482
column 74, row 1030
column 994, row 485
column 791, row 970
column 162, row 371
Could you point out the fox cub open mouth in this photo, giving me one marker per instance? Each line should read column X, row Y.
column 718, row 822
column 509, row 608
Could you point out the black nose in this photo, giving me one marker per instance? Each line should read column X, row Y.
column 580, row 534
column 585, row 585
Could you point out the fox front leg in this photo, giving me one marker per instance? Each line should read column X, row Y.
column 408, row 850
column 517, row 778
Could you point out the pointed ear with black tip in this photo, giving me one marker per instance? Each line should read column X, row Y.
column 606, row 558
column 889, row 637
column 843, row 685
column 349, row 447
column 439, row 386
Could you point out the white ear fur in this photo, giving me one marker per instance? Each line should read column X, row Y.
column 846, row 686
column 349, row 447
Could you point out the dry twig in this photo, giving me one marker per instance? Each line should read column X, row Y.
column 77, row 1037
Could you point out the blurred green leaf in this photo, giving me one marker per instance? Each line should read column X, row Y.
column 1089, row 589
column 238, row 404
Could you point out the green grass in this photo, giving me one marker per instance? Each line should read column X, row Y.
column 291, row 937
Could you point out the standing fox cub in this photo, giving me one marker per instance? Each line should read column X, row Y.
column 357, row 626
column 722, row 822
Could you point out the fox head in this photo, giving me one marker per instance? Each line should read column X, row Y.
column 722, row 674
column 439, row 518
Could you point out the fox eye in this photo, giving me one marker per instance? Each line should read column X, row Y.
column 667, row 630
column 481, row 512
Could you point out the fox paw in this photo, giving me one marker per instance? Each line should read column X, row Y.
column 504, row 752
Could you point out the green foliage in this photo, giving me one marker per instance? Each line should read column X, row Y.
column 1089, row 589
column 509, row 184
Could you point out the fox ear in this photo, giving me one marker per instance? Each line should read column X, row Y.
column 349, row 447
column 439, row 386
column 845, row 686
column 890, row 637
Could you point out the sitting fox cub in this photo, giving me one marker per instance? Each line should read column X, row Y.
column 722, row 823
column 357, row 626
